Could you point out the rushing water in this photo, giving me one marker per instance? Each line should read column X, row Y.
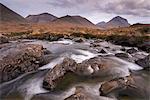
column 30, row 84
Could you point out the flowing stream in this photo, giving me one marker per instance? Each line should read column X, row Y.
column 27, row 85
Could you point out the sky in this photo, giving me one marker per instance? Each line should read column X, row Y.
column 94, row 10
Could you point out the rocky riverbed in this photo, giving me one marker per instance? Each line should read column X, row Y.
column 72, row 69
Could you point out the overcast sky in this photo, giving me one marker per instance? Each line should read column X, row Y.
column 94, row 10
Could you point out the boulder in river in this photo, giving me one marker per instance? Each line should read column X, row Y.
column 52, row 77
column 92, row 68
column 145, row 62
column 130, row 86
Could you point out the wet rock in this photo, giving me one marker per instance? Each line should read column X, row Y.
column 95, row 45
column 50, row 80
column 79, row 40
column 18, row 59
column 129, row 86
column 67, row 67
column 122, row 55
column 120, row 83
column 125, row 56
column 3, row 39
column 102, row 51
column 132, row 50
column 145, row 62
column 123, row 49
column 82, row 94
column 46, row 52
column 98, row 40
column 92, row 68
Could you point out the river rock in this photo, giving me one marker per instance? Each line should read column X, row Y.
column 82, row 94
column 79, row 40
column 130, row 86
column 3, row 39
column 18, row 59
column 92, row 68
column 132, row 50
column 145, row 62
column 125, row 56
column 120, row 83
column 102, row 51
column 122, row 55
column 50, row 80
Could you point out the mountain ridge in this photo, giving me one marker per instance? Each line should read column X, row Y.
column 41, row 18
column 8, row 15
column 115, row 22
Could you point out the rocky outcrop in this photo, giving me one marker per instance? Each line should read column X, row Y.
column 145, row 62
column 19, row 59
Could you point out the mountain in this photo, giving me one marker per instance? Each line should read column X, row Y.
column 74, row 20
column 101, row 24
column 115, row 23
column 8, row 15
column 41, row 18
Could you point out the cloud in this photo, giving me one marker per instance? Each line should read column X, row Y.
column 123, row 7
column 91, row 9
column 128, row 7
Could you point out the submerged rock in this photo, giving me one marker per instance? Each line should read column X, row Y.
column 18, row 59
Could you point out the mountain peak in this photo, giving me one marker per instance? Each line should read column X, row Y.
column 8, row 15
column 115, row 23
column 118, row 18
column 74, row 20
column 41, row 18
